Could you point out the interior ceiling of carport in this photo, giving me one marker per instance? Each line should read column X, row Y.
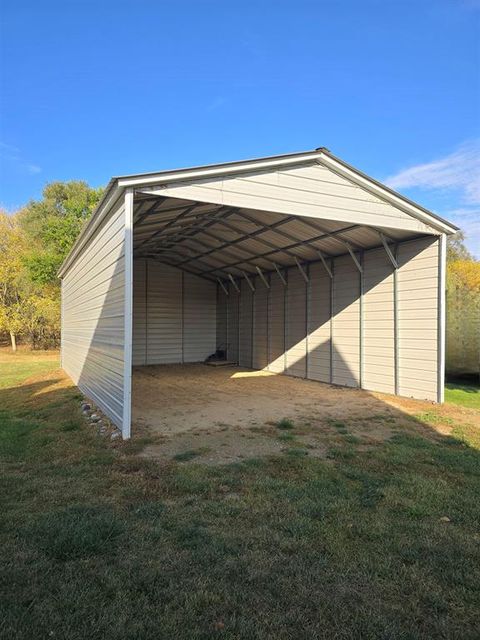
column 215, row 241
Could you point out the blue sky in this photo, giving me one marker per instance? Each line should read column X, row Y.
column 98, row 88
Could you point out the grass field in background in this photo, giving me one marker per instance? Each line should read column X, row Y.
column 465, row 395
column 370, row 542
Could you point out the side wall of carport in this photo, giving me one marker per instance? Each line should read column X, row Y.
column 93, row 316
column 383, row 334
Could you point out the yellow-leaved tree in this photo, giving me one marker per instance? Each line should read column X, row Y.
column 11, row 277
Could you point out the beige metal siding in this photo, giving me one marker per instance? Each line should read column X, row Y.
column 260, row 325
column 311, row 191
column 164, row 314
column 139, row 337
column 276, row 325
column 233, row 326
column 245, row 326
column 222, row 319
column 418, row 318
column 346, row 323
column 319, row 314
column 93, row 317
column 379, row 328
column 199, row 320
column 175, row 319
column 296, row 324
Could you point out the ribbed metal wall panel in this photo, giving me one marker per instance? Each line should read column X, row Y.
column 319, row 327
column 418, row 318
column 260, row 325
column 296, row 324
column 174, row 316
column 276, row 325
column 199, row 318
column 222, row 319
column 93, row 291
column 245, row 326
column 379, row 326
column 233, row 326
column 164, row 314
column 346, row 323
column 139, row 339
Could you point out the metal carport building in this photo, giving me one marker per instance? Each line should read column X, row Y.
column 299, row 264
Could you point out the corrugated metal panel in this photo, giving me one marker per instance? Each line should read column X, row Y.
column 296, row 324
column 418, row 318
column 378, row 323
column 93, row 317
column 222, row 319
column 174, row 318
column 319, row 314
column 139, row 338
column 311, row 191
column 164, row 314
column 276, row 325
column 245, row 326
column 346, row 323
column 260, row 325
column 199, row 320
column 233, row 318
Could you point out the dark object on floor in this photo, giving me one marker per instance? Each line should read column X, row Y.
column 218, row 355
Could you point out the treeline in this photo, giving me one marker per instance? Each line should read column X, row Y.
column 33, row 244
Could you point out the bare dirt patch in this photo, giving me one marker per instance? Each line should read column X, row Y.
column 225, row 414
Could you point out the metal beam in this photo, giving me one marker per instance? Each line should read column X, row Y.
column 267, row 243
column 260, row 273
column 282, row 232
column 176, row 241
column 331, row 234
column 388, row 251
column 181, row 215
column 279, row 274
column 327, row 268
column 247, row 236
column 225, row 290
column 249, row 281
column 293, row 245
column 210, row 221
column 193, row 273
column 234, row 283
column 354, row 257
column 305, row 277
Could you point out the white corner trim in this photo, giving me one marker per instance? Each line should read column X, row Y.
column 128, row 310
column 442, row 269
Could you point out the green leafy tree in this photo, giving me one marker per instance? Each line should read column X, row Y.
column 53, row 223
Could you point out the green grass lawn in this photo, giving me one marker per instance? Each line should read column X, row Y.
column 463, row 394
column 378, row 542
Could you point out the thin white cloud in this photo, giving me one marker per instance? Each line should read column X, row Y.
column 33, row 168
column 216, row 103
column 456, row 178
column 459, row 170
column 12, row 156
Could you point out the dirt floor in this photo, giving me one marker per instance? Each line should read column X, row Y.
column 225, row 414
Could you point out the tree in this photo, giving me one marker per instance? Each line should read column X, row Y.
column 456, row 249
column 53, row 223
column 11, row 277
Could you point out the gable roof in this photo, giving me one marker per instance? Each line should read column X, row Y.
column 229, row 170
